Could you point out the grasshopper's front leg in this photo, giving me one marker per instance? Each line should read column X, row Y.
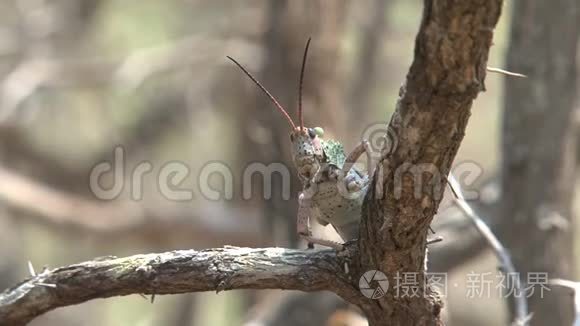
column 303, row 225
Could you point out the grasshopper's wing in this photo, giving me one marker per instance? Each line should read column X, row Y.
column 334, row 152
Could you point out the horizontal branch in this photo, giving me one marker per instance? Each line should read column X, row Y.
column 175, row 272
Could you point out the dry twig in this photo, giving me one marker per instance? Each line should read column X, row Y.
column 176, row 272
column 500, row 251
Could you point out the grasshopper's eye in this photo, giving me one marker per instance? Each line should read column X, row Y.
column 311, row 133
column 319, row 132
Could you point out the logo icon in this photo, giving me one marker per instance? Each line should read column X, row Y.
column 374, row 290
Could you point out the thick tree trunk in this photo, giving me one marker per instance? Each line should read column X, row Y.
column 539, row 149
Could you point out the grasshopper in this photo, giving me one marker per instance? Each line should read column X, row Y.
column 333, row 189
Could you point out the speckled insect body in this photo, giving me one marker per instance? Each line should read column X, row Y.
column 333, row 189
column 330, row 206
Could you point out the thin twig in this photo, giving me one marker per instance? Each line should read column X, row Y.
column 31, row 269
column 521, row 305
column 574, row 286
column 434, row 240
column 505, row 72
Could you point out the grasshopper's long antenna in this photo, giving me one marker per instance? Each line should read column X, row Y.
column 265, row 91
column 300, row 86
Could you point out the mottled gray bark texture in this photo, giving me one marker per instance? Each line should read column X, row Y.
column 175, row 272
column 539, row 148
column 445, row 77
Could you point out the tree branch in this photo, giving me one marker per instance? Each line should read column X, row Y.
column 175, row 272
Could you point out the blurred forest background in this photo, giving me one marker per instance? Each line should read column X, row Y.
column 78, row 78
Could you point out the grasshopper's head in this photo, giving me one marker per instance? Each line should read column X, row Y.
column 307, row 151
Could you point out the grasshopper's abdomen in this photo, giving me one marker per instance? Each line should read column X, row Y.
column 339, row 206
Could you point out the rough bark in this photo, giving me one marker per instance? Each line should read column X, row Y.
column 175, row 272
column 447, row 73
column 539, row 148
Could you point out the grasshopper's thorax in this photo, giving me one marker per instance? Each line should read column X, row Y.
column 307, row 151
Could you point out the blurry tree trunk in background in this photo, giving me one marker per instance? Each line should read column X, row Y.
column 56, row 37
column 365, row 70
column 265, row 136
column 70, row 21
column 10, row 252
column 539, row 149
column 25, row 38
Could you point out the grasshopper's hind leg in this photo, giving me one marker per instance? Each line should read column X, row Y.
column 362, row 148
column 303, row 226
